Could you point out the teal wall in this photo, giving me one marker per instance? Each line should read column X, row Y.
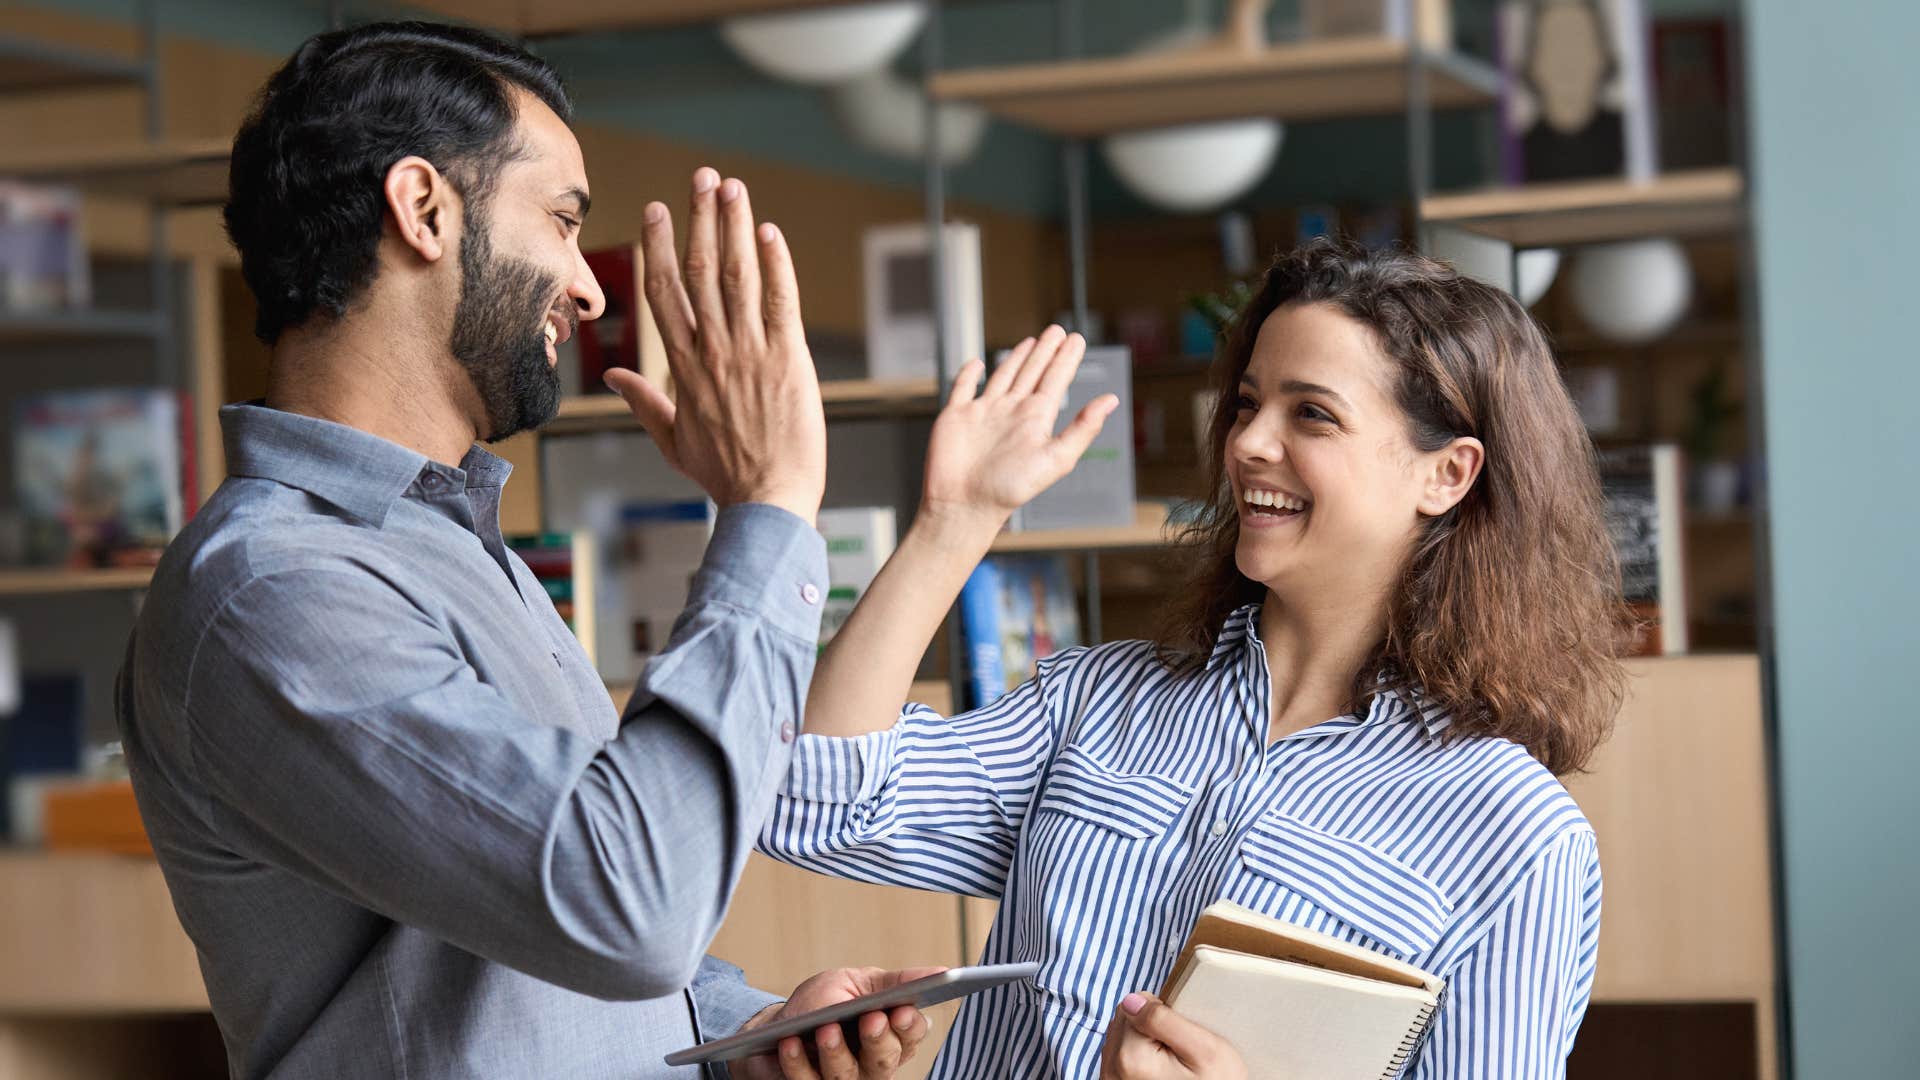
column 1836, row 166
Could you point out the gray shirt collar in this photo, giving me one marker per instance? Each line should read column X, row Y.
column 359, row 472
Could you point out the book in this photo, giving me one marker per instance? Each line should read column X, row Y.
column 1100, row 489
column 1644, row 507
column 980, row 630
column 566, row 565
column 624, row 335
column 658, row 548
column 43, row 252
column 900, row 300
column 859, row 542
column 1297, row 1003
column 1015, row 611
column 99, row 475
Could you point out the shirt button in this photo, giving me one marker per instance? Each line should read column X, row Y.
column 810, row 593
column 786, row 732
column 1220, row 828
column 432, row 481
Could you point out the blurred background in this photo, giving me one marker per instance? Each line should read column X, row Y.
column 1706, row 203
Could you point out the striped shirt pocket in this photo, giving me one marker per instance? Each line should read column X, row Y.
column 1136, row 805
column 1307, row 875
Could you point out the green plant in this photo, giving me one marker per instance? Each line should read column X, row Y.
column 1713, row 407
column 1220, row 308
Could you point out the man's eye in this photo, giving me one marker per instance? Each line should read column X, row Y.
column 569, row 222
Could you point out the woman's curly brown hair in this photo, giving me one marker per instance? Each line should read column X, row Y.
column 1509, row 614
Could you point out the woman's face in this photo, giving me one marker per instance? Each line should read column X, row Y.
column 1329, row 486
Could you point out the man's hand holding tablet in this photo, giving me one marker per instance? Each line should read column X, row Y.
column 878, row 1009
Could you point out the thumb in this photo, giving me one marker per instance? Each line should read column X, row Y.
column 887, row 980
column 654, row 409
column 1074, row 439
column 1151, row 1017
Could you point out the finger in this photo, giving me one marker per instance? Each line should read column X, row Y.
column 880, row 1052
column 781, row 287
column 654, row 409
column 666, row 293
column 740, row 265
column 965, row 384
column 1186, row 1040
column 836, row 1059
column 910, row 1025
column 1073, row 440
column 1042, row 358
column 1053, row 382
column 1007, row 367
column 703, row 258
column 793, row 1060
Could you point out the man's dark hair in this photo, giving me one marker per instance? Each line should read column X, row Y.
column 305, row 201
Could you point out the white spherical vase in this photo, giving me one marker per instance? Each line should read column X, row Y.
column 826, row 45
column 1632, row 292
column 887, row 114
column 1194, row 167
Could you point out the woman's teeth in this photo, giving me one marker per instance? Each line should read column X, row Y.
column 1274, row 502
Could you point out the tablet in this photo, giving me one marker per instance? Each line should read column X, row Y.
column 920, row 993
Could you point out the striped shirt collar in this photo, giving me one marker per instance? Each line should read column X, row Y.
column 1241, row 635
column 357, row 471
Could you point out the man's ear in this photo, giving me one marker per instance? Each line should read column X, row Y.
column 1452, row 469
column 421, row 202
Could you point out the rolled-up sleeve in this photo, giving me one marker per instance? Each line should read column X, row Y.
column 340, row 732
column 933, row 802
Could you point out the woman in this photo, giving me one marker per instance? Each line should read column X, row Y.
column 1402, row 622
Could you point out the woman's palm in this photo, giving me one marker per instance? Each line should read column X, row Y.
column 995, row 450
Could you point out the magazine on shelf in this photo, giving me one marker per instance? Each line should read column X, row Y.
column 1015, row 611
column 859, row 541
column 1645, row 508
column 1100, row 489
column 43, row 251
column 100, row 475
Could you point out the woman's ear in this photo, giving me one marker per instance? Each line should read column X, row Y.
column 419, row 200
column 1451, row 471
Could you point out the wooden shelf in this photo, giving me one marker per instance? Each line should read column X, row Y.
column 92, row 934
column 1589, row 211
column 843, row 398
column 76, row 325
column 556, row 17
column 28, row 66
column 1149, row 530
column 1305, row 81
column 179, row 172
column 35, row 581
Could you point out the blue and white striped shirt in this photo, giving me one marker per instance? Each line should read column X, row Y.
column 1107, row 801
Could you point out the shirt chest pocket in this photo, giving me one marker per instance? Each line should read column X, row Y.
column 1083, row 792
column 1340, row 886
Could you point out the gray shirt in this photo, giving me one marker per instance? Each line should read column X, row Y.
column 399, row 816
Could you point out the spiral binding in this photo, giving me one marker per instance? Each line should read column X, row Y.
column 1416, row 1037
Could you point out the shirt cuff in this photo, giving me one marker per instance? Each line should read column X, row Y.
column 767, row 561
column 842, row 771
column 723, row 1001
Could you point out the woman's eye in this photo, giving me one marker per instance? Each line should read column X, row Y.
column 1243, row 403
column 1315, row 413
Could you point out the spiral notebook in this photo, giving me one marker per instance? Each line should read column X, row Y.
column 1300, row 1004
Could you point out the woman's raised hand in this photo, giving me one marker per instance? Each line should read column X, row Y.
column 994, row 449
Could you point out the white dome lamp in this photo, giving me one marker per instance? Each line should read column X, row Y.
column 823, row 46
column 1194, row 167
column 1632, row 292
column 1537, row 268
column 887, row 114
column 1191, row 168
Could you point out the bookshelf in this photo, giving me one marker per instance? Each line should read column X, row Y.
column 1315, row 80
column 28, row 67
column 28, row 581
column 1148, row 530
column 1590, row 211
column 843, row 397
column 176, row 172
column 26, row 327
column 557, row 17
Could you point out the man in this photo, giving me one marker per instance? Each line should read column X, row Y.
column 399, row 817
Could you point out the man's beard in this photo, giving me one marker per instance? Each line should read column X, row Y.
column 499, row 335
